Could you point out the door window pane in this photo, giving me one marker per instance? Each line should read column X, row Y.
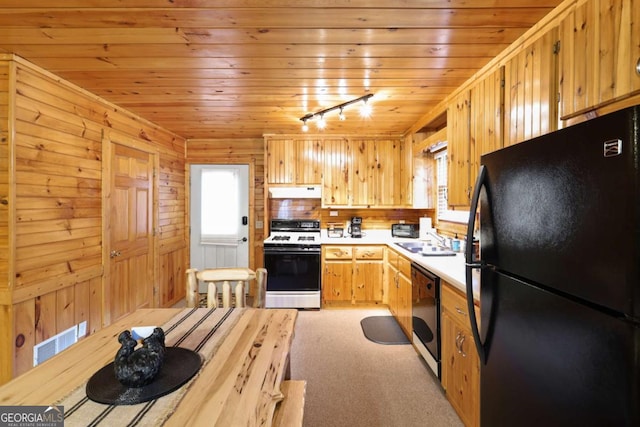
column 219, row 209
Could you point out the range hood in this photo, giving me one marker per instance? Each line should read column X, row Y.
column 303, row 192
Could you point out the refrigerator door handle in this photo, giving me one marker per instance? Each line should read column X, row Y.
column 471, row 264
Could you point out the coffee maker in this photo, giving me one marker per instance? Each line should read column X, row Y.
column 355, row 228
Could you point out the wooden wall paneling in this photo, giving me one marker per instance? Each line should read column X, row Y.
column 172, row 203
column 6, row 343
column 375, row 219
column 95, row 314
column 82, row 303
column 45, row 316
column 65, row 308
column 6, row 207
column 55, row 166
column 58, row 221
column 172, row 277
column 23, row 338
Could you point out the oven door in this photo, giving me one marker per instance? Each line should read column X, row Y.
column 292, row 270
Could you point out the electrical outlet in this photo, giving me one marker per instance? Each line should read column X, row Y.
column 401, row 221
column 259, row 225
column 333, row 213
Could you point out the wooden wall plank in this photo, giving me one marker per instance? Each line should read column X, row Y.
column 5, row 100
column 24, row 337
column 58, row 203
column 45, row 316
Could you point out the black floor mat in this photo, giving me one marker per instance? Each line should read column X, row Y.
column 383, row 330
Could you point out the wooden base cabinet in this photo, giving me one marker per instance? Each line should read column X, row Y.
column 460, row 362
column 398, row 288
column 352, row 274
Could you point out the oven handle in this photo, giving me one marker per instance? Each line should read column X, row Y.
column 272, row 251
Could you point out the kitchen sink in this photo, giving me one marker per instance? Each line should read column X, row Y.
column 425, row 249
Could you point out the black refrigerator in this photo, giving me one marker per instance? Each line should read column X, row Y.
column 558, row 218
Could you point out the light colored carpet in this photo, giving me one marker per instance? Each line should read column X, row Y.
column 353, row 382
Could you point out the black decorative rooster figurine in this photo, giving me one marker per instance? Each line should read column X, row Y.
column 136, row 368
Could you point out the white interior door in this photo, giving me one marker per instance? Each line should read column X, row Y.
column 219, row 216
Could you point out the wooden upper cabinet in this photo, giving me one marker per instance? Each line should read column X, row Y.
column 296, row 162
column 367, row 172
column 378, row 173
column 486, row 120
column 337, row 175
column 280, row 170
column 353, row 172
column 458, row 178
column 309, row 159
column 531, row 87
column 474, row 127
column 365, row 165
column 599, row 52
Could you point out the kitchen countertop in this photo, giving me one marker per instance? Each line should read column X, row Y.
column 448, row 268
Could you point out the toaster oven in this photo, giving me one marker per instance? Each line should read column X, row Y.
column 405, row 230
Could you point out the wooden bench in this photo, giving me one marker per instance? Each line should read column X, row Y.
column 290, row 409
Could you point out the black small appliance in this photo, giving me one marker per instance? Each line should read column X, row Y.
column 355, row 228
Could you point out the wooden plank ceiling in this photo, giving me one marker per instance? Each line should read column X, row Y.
column 244, row 68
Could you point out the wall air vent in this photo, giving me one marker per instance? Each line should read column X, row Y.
column 54, row 345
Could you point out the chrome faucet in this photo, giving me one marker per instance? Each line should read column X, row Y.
column 442, row 241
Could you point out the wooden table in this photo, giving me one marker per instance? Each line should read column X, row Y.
column 238, row 384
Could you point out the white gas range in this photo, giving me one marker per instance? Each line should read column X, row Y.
column 292, row 260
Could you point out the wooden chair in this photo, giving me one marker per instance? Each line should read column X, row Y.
column 239, row 278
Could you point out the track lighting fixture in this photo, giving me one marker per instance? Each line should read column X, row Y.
column 365, row 111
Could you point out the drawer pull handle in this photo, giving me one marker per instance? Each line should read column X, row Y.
column 464, row 313
column 458, row 343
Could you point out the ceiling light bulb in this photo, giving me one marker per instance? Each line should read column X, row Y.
column 365, row 109
column 305, row 128
column 341, row 115
column 321, row 123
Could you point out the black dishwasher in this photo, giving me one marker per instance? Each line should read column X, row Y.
column 426, row 315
